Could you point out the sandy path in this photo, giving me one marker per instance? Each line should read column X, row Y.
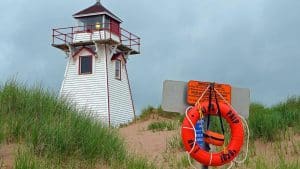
column 149, row 144
column 153, row 145
column 7, row 156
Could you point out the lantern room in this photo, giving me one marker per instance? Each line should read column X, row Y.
column 98, row 17
column 96, row 24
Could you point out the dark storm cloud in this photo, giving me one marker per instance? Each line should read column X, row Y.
column 254, row 44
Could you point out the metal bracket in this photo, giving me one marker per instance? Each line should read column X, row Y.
column 97, row 48
column 113, row 49
column 71, row 50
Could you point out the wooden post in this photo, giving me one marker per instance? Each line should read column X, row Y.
column 206, row 147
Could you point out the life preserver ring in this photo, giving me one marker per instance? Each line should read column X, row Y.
column 214, row 158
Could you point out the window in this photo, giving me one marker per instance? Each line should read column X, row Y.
column 93, row 23
column 106, row 22
column 85, row 65
column 118, row 69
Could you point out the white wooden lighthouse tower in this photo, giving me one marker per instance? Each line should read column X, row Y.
column 96, row 78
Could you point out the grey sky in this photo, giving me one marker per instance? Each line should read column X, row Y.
column 254, row 44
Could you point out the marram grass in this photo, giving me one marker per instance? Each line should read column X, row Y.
column 25, row 160
column 58, row 136
column 52, row 129
column 273, row 123
column 163, row 125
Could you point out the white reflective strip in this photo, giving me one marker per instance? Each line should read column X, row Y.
column 188, row 128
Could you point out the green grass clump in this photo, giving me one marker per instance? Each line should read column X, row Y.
column 261, row 164
column 151, row 112
column 25, row 160
column 295, row 165
column 283, row 164
column 272, row 123
column 290, row 111
column 135, row 163
column 183, row 162
column 54, row 129
column 175, row 143
column 163, row 126
column 264, row 123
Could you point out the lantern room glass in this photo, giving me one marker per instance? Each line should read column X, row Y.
column 95, row 22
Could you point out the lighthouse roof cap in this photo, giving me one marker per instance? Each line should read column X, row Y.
column 96, row 9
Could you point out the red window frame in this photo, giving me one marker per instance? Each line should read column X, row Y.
column 91, row 65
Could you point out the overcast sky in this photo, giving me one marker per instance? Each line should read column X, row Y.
column 253, row 44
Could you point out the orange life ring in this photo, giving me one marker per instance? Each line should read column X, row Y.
column 213, row 158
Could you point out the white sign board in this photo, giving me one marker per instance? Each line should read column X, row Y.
column 175, row 94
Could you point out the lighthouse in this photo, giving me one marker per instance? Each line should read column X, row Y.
column 96, row 78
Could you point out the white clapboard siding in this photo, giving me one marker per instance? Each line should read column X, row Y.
column 87, row 92
column 121, row 108
column 99, row 93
